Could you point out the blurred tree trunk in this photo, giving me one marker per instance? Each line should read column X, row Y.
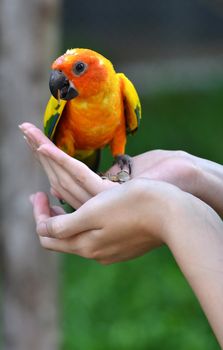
column 29, row 37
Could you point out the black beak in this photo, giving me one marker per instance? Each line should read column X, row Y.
column 60, row 86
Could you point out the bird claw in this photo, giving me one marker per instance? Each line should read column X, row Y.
column 121, row 177
column 124, row 161
column 124, row 175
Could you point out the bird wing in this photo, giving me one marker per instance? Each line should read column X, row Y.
column 132, row 106
column 53, row 113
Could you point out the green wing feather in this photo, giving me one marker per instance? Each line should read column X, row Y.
column 53, row 113
column 132, row 106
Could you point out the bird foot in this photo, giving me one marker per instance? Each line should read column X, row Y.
column 124, row 161
column 121, row 177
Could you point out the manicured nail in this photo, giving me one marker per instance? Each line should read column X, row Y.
column 26, row 140
column 23, row 130
column 29, row 143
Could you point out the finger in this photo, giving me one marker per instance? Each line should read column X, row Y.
column 82, row 245
column 66, row 184
column 56, row 210
column 55, row 193
column 58, row 245
column 30, row 141
column 86, row 218
column 62, row 185
column 75, row 203
column 35, row 135
column 79, row 172
column 31, row 147
column 93, row 183
column 25, row 126
column 48, row 170
column 67, row 198
column 59, row 185
column 56, row 189
column 87, row 179
column 42, row 213
column 41, row 207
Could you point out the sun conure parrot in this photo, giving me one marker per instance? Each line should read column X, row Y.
column 91, row 106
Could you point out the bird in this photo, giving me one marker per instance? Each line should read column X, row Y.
column 91, row 106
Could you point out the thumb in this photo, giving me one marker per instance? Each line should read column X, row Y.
column 68, row 225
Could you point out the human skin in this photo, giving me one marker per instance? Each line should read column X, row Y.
column 148, row 213
column 130, row 220
column 200, row 177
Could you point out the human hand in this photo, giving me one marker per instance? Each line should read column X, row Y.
column 126, row 221
column 70, row 179
column 200, row 177
column 75, row 183
column 129, row 220
column 176, row 167
column 118, row 224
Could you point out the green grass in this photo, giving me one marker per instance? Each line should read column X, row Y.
column 145, row 303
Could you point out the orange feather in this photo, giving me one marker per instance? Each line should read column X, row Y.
column 97, row 116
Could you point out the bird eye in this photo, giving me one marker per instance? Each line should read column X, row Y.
column 79, row 68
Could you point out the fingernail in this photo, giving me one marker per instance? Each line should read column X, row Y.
column 29, row 143
column 22, row 129
column 41, row 229
column 26, row 140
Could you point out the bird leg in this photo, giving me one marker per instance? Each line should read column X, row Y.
column 124, row 161
column 125, row 164
column 121, row 177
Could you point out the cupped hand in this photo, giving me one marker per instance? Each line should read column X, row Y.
column 176, row 167
column 200, row 177
column 70, row 179
column 118, row 224
column 74, row 182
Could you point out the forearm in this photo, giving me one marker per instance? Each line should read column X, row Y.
column 210, row 184
column 200, row 177
column 196, row 241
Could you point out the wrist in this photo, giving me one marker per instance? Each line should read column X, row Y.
column 203, row 179
column 209, row 184
column 159, row 208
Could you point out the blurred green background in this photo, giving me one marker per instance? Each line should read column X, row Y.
column 146, row 303
column 171, row 51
